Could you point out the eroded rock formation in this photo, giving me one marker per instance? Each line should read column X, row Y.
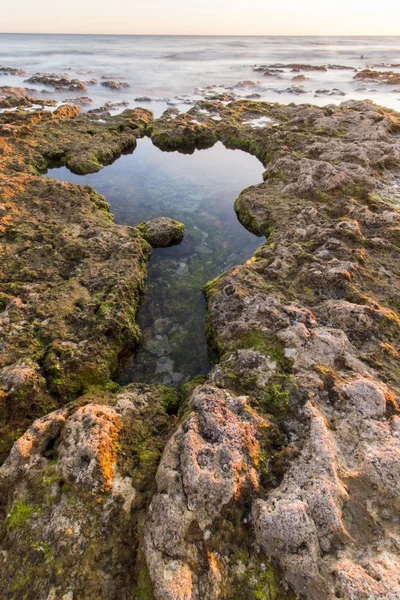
column 279, row 477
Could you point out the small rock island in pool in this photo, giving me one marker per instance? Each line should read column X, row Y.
column 162, row 232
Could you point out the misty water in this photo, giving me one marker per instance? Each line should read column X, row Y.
column 170, row 70
column 199, row 190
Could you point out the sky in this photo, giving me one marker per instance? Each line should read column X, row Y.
column 204, row 17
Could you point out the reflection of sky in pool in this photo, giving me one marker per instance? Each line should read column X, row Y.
column 199, row 190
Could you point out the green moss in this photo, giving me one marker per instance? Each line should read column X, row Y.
column 260, row 229
column 169, row 400
column 143, row 589
column 20, row 515
column 4, row 300
column 275, row 401
column 267, row 344
column 106, row 308
column 214, row 347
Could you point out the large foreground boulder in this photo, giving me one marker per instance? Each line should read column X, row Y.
column 73, row 492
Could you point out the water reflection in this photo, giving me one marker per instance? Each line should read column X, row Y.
column 199, row 190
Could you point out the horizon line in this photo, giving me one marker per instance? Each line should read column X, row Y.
column 288, row 35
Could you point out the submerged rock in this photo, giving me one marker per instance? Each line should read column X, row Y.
column 162, row 232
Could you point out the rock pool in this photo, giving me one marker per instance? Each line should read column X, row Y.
column 199, row 190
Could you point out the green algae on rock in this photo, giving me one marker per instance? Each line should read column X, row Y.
column 162, row 232
column 84, row 474
column 281, row 478
column 70, row 279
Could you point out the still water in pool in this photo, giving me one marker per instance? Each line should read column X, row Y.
column 199, row 190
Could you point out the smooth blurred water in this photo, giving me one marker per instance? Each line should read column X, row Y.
column 199, row 190
column 167, row 66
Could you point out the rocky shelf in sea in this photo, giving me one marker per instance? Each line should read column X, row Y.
column 277, row 475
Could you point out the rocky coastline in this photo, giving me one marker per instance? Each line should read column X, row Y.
column 276, row 476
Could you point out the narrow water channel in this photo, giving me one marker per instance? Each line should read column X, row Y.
column 199, row 190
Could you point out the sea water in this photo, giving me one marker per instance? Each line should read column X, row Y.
column 171, row 70
column 199, row 190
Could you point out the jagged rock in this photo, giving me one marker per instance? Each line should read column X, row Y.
column 300, row 78
column 162, row 232
column 281, row 478
column 208, row 465
column 72, row 493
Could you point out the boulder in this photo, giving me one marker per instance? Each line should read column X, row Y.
column 162, row 232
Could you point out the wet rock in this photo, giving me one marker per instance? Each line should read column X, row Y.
column 158, row 345
column 22, row 98
column 143, row 99
column 79, row 100
column 11, row 71
column 296, row 67
column 254, row 96
column 245, row 84
column 58, row 82
column 114, row 85
column 325, row 92
column 300, row 78
column 387, row 77
column 162, row 232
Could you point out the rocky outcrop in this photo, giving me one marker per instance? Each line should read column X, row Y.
column 388, row 77
column 11, row 71
column 162, row 232
column 280, row 476
column 198, row 516
column 114, row 85
column 69, row 278
column 12, row 97
column 307, row 332
column 79, row 101
column 58, row 82
column 73, row 494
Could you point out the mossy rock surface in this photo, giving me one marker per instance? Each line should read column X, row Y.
column 162, row 232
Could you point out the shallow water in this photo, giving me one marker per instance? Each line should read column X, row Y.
column 168, row 67
column 199, row 190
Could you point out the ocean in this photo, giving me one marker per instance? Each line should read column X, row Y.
column 176, row 70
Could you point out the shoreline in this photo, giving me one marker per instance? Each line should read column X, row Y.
column 265, row 486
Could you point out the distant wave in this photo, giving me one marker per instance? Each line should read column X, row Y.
column 192, row 55
column 237, row 44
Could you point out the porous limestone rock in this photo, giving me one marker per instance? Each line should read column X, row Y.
column 281, row 479
column 73, row 492
column 162, row 232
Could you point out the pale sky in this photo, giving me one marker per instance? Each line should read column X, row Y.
column 203, row 17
